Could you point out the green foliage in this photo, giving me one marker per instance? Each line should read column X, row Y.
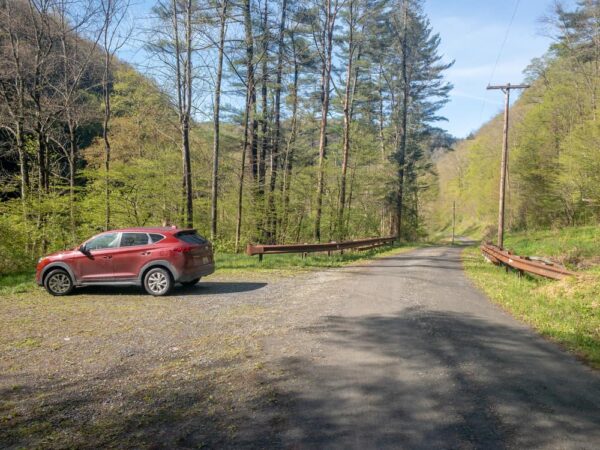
column 572, row 245
column 568, row 312
column 145, row 191
column 554, row 163
column 580, row 177
column 65, row 194
column 554, row 167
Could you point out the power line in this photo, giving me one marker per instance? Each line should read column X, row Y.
column 504, row 41
column 512, row 19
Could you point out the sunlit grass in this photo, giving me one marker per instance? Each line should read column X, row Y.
column 17, row 283
column 567, row 311
column 570, row 244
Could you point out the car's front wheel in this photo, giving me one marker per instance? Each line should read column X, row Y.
column 58, row 282
column 157, row 281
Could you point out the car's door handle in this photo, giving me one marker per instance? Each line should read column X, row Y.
column 146, row 253
column 107, row 257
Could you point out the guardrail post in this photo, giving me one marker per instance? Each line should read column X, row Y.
column 260, row 257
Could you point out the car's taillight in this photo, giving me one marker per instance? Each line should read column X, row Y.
column 182, row 249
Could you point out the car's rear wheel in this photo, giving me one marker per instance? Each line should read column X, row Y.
column 58, row 282
column 191, row 282
column 157, row 281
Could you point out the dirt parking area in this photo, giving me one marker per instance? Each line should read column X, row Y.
column 398, row 352
column 117, row 368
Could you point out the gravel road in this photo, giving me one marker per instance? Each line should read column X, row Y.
column 400, row 352
column 413, row 356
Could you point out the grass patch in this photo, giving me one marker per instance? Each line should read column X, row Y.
column 27, row 343
column 231, row 262
column 17, row 283
column 567, row 311
column 574, row 246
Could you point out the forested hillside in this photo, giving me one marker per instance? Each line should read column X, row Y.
column 554, row 169
column 264, row 121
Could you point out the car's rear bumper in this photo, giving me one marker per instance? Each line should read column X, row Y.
column 197, row 272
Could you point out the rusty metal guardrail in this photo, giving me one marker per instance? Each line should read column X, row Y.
column 363, row 244
column 543, row 268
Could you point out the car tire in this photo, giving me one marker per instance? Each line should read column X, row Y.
column 190, row 283
column 58, row 282
column 158, row 282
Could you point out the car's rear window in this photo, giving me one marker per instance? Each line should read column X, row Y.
column 191, row 237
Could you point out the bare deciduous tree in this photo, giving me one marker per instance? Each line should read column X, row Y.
column 222, row 13
column 113, row 38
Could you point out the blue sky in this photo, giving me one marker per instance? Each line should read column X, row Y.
column 472, row 33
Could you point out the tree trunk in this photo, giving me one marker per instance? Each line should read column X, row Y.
column 106, row 142
column 325, row 80
column 404, row 122
column 106, row 88
column 289, row 151
column 271, row 210
column 250, row 124
column 264, row 105
column 23, row 163
column 264, row 143
column 251, row 89
column 187, row 172
column 381, row 142
column 381, row 118
column 238, row 226
column 18, row 112
column 347, row 121
column 73, row 157
column 215, row 169
column 187, row 117
column 353, row 173
column 41, row 156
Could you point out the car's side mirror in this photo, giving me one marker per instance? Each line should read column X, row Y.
column 84, row 250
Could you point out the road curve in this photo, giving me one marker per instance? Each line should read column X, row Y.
column 409, row 354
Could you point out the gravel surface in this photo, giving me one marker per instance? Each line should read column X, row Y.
column 400, row 352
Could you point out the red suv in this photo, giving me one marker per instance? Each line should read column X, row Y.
column 155, row 258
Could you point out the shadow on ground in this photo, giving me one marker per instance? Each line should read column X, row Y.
column 202, row 288
column 414, row 379
column 170, row 405
column 426, row 379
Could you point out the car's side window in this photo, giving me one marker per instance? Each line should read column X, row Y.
column 156, row 237
column 108, row 240
column 133, row 239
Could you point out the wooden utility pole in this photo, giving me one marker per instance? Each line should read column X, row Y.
column 506, row 89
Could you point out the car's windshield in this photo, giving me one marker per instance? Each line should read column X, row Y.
column 107, row 240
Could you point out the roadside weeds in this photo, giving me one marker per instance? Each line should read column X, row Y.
column 566, row 311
